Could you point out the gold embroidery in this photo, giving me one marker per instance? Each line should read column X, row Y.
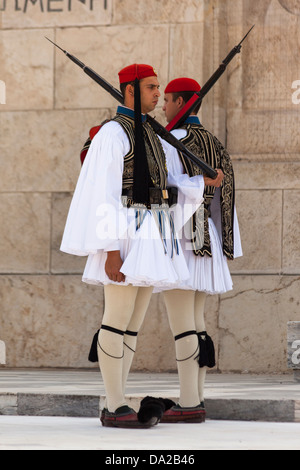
column 206, row 146
column 154, row 151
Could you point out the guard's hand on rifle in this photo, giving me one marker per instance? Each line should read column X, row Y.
column 214, row 182
column 113, row 265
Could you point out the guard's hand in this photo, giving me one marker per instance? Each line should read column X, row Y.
column 113, row 265
column 215, row 182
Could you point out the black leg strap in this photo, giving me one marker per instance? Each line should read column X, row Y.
column 130, row 333
column 93, row 354
column 183, row 335
column 113, row 330
column 186, row 333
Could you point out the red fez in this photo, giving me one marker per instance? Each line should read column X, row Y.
column 182, row 84
column 139, row 71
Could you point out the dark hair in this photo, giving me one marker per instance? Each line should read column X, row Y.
column 123, row 87
column 186, row 96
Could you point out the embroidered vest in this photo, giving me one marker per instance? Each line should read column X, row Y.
column 158, row 174
column 206, row 146
column 157, row 169
column 154, row 150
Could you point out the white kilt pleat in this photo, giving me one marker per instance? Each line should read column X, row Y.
column 208, row 274
column 147, row 260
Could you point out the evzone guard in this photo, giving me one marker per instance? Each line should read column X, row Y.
column 211, row 239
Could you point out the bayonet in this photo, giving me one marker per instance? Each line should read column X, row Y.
column 91, row 73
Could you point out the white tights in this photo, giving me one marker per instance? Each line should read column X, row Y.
column 186, row 314
column 125, row 309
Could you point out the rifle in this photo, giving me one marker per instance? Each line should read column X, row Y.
column 157, row 127
column 196, row 99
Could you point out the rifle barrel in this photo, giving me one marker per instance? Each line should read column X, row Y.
column 193, row 102
column 102, row 82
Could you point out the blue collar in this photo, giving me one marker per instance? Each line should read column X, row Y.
column 192, row 120
column 129, row 112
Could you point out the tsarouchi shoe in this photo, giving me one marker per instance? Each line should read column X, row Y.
column 102, row 415
column 125, row 417
column 178, row 414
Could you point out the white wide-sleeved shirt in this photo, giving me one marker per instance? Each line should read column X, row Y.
column 207, row 274
column 98, row 222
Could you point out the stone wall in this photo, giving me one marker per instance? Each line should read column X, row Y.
column 47, row 315
column 263, row 139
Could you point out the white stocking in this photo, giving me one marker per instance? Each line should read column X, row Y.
column 130, row 338
column 119, row 307
column 180, row 308
column 125, row 308
column 200, row 298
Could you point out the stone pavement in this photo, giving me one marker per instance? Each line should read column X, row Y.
column 63, row 433
column 76, row 393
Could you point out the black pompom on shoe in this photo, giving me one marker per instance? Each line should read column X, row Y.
column 153, row 407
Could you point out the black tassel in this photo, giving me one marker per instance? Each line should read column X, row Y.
column 207, row 350
column 149, row 411
column 93, row 354
column 165, row 403
column 153, row 407
column 141, row 175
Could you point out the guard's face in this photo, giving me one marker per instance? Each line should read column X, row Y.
column 150, row 94
column 170, row 107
